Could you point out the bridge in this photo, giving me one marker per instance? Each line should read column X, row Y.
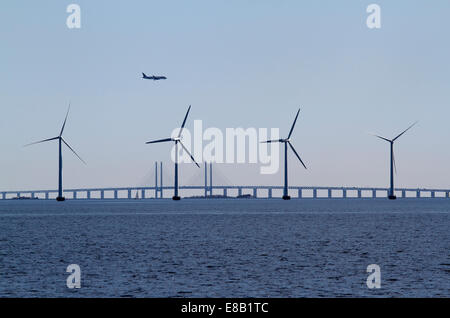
column 208, row 190
column 251, row 191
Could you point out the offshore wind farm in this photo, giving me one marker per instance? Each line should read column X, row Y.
column 146, row 192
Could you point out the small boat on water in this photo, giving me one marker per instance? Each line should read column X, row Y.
column 25, row 198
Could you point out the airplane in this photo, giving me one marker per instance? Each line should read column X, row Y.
column 153, row 77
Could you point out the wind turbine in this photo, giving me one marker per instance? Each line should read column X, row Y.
column 287, row 142
column 391, row 194
column 60, row 140
column 177, row 141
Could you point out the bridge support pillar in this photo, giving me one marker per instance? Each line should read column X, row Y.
column 18, row 194
column 143, row 194
column 433, row 194
column 46, row 195
column 344, row 193
column 255, row 192
column 315, row 193
column 129, row 194
column 418, row 194
column 3, row 195
column 225, row 192
column 239, row 191
column 300, row 193
column 116, row 195
column 330, row 194
column 269, row 193
column 447, row 195
column 102, row 194
column 88, row 195
column 374, row 193
column 403, row 194
column 32, row 195
column 74, row 195
column 359, row 194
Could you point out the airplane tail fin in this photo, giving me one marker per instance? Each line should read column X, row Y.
column 143, row 75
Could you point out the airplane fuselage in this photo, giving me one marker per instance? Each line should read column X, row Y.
column 154, row 78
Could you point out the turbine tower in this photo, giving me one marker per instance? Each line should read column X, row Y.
column 177, row 141
column 60, row 141
column 287, row 142
column 391, row 194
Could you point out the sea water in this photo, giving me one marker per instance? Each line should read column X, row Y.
column 225, row 248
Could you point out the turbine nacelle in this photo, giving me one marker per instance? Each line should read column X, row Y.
column 398, row 136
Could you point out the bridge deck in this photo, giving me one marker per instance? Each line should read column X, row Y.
column 301, row 192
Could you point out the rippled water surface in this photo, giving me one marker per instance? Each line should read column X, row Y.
column 225, row 248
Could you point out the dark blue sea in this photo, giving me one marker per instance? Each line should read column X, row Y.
column 225, row 248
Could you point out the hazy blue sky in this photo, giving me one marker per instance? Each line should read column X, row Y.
column 240, row 64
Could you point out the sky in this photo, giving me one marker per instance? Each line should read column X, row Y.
column 239, row 63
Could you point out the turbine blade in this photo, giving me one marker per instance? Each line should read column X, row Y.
column 73, row 151
column 185, row 149
column 292, row 128
column 184, row 121
column 395, row 166
column 64, row 124
column 293, row 149
column 385, row 139
column 38, row 142
column 405, row 131
column 269, row 141
column 160, row 140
